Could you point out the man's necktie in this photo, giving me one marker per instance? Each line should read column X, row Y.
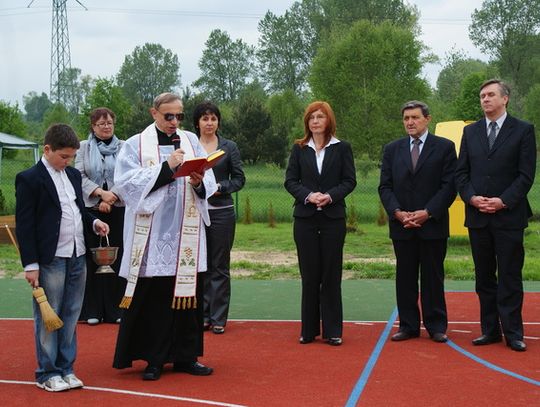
column 492, row 135
column 415, row 152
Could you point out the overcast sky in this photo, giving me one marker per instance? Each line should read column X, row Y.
column 103, row 35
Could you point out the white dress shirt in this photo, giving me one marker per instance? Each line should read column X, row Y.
column 71, row 238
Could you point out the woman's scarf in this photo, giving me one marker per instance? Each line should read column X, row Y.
column 101, row 159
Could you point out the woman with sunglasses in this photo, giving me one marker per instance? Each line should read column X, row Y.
column 220, row 234
column 95, row 160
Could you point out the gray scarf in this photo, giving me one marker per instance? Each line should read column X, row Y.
column 102, row 159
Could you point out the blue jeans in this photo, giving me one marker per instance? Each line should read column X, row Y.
column 63, row 281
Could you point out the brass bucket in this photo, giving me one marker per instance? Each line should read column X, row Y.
column 104, row 257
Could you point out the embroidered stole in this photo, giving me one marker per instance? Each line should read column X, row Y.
column 188, row 252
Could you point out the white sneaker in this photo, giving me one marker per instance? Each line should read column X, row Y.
column 55, row 383
column 73, row 381
column 92, row 321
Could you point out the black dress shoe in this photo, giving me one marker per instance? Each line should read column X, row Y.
column 517, row 345
column 486, row 340
column 303, row 340
column 402, row 336
column 439, row 337
column 334, row 341
column 193, row 368
column 152, row 373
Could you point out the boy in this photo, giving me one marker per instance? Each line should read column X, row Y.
column 51, row 218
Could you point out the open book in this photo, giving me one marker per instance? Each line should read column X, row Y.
column 199, row 164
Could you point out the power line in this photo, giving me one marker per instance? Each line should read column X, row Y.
column 203, row 14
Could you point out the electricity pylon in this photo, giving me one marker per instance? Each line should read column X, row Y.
column 61, row 81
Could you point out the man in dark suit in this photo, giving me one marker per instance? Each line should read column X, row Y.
column 51, row 219
column 496, row 168
column 416, row 188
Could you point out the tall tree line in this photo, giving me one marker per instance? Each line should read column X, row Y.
column 364, row 57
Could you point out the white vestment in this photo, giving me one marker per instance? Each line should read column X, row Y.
column 134, row 181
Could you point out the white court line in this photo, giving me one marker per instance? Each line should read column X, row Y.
column 297, row 320
column 138, row 393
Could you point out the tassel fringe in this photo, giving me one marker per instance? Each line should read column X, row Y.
column 126, row 302
column 184, row 303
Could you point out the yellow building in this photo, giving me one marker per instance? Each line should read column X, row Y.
column 453, row 131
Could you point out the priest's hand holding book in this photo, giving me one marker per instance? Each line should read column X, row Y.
column 176, row 160
column 197, row 165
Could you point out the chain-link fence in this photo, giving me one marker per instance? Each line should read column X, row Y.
column 263, row 198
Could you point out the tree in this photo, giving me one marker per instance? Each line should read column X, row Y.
column 79, row 86
column 106, row 93
column 286, row 108
column 148, row 71
column 339, row 13
column 366, row 73
column 467, row 105
column 252, row 124
column 225, row 67
column 58, row 113
column 190, row 100
column 502, row 22
column 287, row 45
column 507, row 30
column 11, row 122
column 36, row 105
column 532, row 102
column 11, row 119
column 457, row 66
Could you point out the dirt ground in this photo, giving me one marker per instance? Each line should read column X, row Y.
column 274, row 258
column 288, row 259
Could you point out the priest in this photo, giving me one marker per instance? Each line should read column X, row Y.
column 164, row 245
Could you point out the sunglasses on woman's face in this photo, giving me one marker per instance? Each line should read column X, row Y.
column 171, row 116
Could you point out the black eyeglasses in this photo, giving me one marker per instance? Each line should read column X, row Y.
column 171, row 116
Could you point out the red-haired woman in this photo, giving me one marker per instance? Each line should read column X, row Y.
column 319, row 176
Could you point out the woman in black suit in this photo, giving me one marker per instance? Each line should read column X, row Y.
column 320, row 174
column 220, row 234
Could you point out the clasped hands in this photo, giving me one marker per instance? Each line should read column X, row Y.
column 413, row 219
column 319, row 199
column 108, row 199
column 487, row 205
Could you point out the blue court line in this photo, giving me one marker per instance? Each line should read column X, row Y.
column 491, row 365
column 362, row 381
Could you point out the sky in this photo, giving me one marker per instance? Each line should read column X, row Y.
column 101, row 36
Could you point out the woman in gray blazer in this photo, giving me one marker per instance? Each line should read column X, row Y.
column 95, row 160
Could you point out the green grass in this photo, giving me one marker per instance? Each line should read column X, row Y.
column 368, row 254
column 264, row 186
column 368, row 251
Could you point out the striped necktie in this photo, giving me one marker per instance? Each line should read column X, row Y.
column 492, row 135
column 415, row 152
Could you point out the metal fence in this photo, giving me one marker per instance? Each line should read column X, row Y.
column 263, row 199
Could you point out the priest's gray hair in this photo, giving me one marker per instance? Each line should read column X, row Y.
column 166, row 97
